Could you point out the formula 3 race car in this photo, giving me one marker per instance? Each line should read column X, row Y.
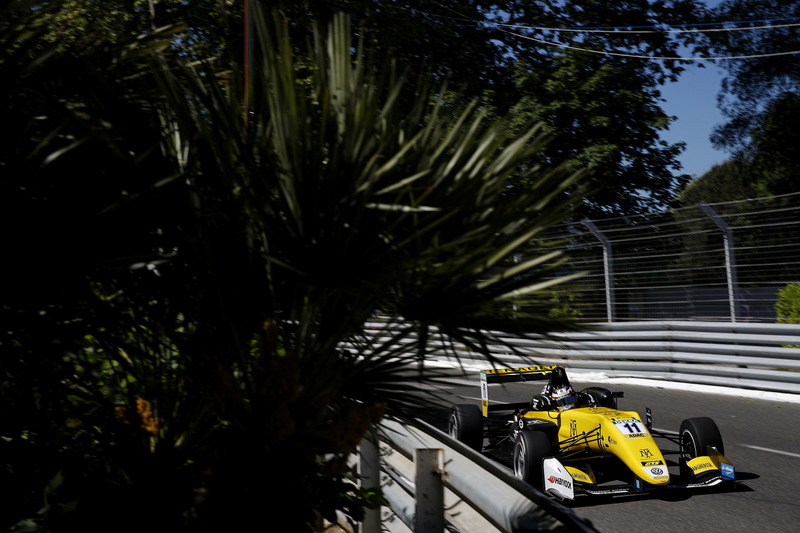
column 564, row 443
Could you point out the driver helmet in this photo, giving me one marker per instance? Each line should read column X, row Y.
column 563, row 398
column 559, row 390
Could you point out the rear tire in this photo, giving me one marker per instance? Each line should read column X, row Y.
column 466, row 425
column 530, row 449
column 697, row 434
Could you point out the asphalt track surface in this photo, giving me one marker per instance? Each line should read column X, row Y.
column 761, row 436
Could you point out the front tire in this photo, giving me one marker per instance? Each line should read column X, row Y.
column 466, row 425
column 530, row 449
column 697, row 434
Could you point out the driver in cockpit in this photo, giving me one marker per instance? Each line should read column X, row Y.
column 558, row 394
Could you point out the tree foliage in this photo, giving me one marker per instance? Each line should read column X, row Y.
column 752, row 84
column 767, row 166
column 761, row 94
column 773, row 139
column 602, row 115
column 728, row 181
column 788, row 305
column 594, row 86
column 189, row 267
column 597, row 93
column 759, row 98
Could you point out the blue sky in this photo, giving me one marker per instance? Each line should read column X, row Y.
column 693, row 100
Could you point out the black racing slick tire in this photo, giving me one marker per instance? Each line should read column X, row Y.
column 697, row 434
column 530, row 450
column 466, row 425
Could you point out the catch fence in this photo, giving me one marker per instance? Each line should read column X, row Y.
column 712, row 262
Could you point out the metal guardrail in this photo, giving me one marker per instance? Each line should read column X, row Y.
column 736, row 355
column 481, row 495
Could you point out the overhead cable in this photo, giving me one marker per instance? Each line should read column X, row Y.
column 637, row 56
column 650, row 30
column 642, row 56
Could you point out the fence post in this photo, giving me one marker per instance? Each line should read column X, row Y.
column 369, row 469
column 730, row 258
column 608, row 267
column 430, row 490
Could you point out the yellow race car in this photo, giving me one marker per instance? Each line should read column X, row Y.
column 565, row 442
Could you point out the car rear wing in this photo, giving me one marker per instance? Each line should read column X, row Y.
column 507, row 375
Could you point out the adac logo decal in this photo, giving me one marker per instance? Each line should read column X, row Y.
column 560, row 481
column 652, row 463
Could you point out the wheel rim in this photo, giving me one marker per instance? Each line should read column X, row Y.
column 453, row 427
column 688, row 445
column 519, row 461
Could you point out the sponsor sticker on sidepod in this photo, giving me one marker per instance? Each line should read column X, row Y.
column 557, row 480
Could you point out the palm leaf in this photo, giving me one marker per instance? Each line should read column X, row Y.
column 263, row 239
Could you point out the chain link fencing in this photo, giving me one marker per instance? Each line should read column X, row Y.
column 712, row 261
